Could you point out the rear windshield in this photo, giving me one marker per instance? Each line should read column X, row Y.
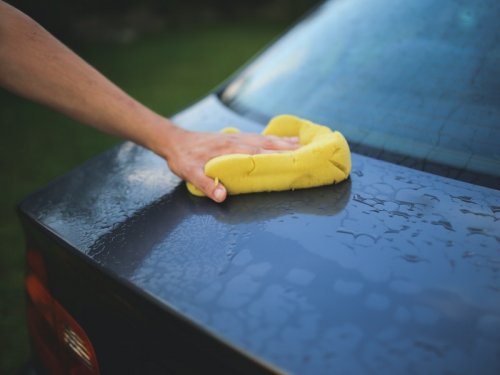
column 416, row 80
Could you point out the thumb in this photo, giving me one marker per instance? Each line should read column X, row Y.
column 213, row 189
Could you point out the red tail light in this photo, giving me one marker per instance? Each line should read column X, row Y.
column 62, row 345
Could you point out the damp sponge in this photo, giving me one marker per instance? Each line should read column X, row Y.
column 323, row 158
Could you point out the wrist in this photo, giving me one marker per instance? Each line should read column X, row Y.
column 166, row 139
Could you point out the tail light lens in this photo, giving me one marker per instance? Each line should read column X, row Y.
column 62, row 345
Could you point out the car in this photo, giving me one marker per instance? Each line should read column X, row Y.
column 395, row 270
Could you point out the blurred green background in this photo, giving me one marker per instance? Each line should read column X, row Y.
column 167, row 54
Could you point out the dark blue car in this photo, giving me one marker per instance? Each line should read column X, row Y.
column 396, row 270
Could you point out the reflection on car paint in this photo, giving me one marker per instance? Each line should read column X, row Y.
column 394, row 270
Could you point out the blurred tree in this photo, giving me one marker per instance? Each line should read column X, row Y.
column 122, row 19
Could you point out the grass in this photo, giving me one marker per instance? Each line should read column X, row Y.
column 166, row 72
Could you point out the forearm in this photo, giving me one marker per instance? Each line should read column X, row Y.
column 36, row 65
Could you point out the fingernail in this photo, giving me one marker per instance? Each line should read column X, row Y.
column 219, row 194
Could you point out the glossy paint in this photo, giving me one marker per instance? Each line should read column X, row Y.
column 418, row 78
column 394, row 270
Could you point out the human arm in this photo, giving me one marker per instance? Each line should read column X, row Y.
column 36, row 65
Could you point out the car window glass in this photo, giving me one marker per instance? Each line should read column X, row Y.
column 418, row 78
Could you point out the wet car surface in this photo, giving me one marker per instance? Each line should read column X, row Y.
column 395, row 270
column 391, row 270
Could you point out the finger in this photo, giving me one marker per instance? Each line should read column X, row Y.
column 285, row 139
column 266, row 151
column 263, row 144
column 212, row 189
column 279, row 143
column 219, row 194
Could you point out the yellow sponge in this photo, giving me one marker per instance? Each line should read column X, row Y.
column 324, row 158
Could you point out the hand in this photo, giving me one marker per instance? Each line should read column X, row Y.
column 36, row 65
column 190, row 151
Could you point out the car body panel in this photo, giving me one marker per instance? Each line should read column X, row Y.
column 413, row 82
column 392, row 270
